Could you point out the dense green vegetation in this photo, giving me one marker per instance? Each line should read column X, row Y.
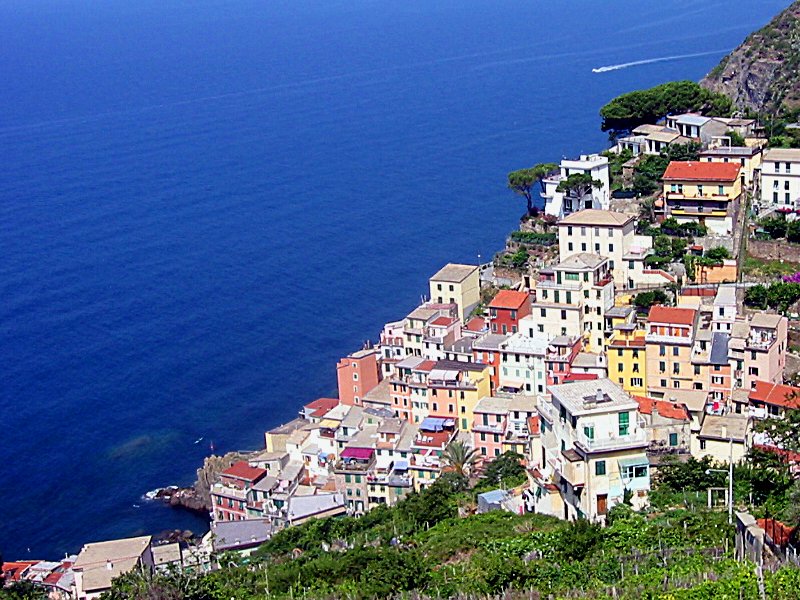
column 630, row 110
column 779, row 295
column 650, row 169
column 644, row 300
column 777, row 227
column 534, row 238
column 521, row 181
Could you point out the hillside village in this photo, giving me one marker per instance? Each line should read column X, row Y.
column 594, row 363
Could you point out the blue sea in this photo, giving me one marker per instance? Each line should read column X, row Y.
column 204, row 204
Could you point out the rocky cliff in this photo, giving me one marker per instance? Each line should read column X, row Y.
column 761, row 74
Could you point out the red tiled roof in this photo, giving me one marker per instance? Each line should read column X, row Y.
column 671, row 315
column 668, row 410
column 322, row 406
column 509, row 299
column 533, row 425
column 776, row 394
column 476, row 324
column 703, row 292
column 242, row 470
column 425, row 366
column 579, row 377
column 13, row 571
column 443, row 321
column 701, row 171
column 791, row 457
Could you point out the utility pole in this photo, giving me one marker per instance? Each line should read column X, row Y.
column 730, row 483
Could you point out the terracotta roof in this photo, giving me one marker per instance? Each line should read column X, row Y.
column 476, row 324
column 13, row 571
column 242, row 470
column 776, row 394
column 669, row 314
column 322, row 406
column 444, row 321
column 701, row 171
column 668, row 410
column 425, row 366
column 509, row 299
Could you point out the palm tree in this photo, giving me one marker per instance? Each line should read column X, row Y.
column 460, row 457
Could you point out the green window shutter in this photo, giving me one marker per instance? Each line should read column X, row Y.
column 624, row 423
column 600, row 467
column 673, row 439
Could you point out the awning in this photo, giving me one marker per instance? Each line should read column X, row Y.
column 436, row 423
column 357, row 453
column 401, row 465
column 633, row 462
column 329, row 423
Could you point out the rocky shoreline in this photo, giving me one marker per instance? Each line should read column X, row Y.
column 197, row 497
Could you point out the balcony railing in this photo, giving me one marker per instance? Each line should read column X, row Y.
column 564, row 285
column 632, row 440
column 548, row 411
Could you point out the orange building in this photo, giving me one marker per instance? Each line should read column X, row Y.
column 357, row 374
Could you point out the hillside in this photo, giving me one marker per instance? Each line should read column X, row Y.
column 761, row 74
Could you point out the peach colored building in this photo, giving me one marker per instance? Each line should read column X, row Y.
column 357, row 374
column 669, row 340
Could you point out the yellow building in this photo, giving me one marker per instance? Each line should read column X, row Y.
column 703, row 192
column 747, row 157
column 627, row 359
column 457, row 284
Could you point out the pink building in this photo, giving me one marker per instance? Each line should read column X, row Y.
column 489, row 426
column 561, row 353
column 765, row 349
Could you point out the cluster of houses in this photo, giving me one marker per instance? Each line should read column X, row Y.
column 559, row 368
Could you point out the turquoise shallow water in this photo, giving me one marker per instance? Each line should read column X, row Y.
column 204, row 204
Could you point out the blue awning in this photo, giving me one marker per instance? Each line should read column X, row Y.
column 435, row 423
column 634, row 462
column 401, row 465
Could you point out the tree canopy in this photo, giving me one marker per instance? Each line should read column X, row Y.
column 630, row 110
column 522, row 181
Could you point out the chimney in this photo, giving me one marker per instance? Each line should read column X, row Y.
column 725, row 432
column 109, row 565
column 598, row 397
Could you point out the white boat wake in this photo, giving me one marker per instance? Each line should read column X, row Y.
column 649, row 61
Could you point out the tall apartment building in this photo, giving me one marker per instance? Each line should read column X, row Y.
column 558, row 204
column 572, row 298
column 669, row 341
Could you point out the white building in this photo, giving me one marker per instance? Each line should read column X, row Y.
column 522, row 367
column 557, row 204
column 572, row 298
column 593, row 449
column 780, row 178
column 610, row 234
column 724, row 309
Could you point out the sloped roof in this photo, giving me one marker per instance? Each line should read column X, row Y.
column 601, row 218
column 509, row 299
column 454, row 273
column 701, row 171
column 242, row 470
column 776, row 394
column 582, row 260
column 669, row 314
column 668, row 410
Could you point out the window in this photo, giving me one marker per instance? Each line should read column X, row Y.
column 676, row 368
column 662, row 367
column 597, row 231
column 571, row 276
column 696, row 370
column 597, row 248
column 662, row 350
column 583, row 247
column 540, row 328
column 636, row 382
column 611, row 247
column 619, row 368
column 699, row 190
column 673, row 439
column 543, row 312
column 583, row 230
column 452, row 289
column 775, row 197
column 610, row 232
column 634, row 472
column 355, row 376
column 785, row 185
column 563, row 314
column 702, row 444
column 624, row 423
column 721, row 190
column 569, row 246
column 600, row 467
column 569, row 230
column 676, row 351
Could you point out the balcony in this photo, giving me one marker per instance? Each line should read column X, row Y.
column 615, row 442
column 574, row 472
column 548, row 412
column 760, row 342
column 548, row 284
column 496, row 428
